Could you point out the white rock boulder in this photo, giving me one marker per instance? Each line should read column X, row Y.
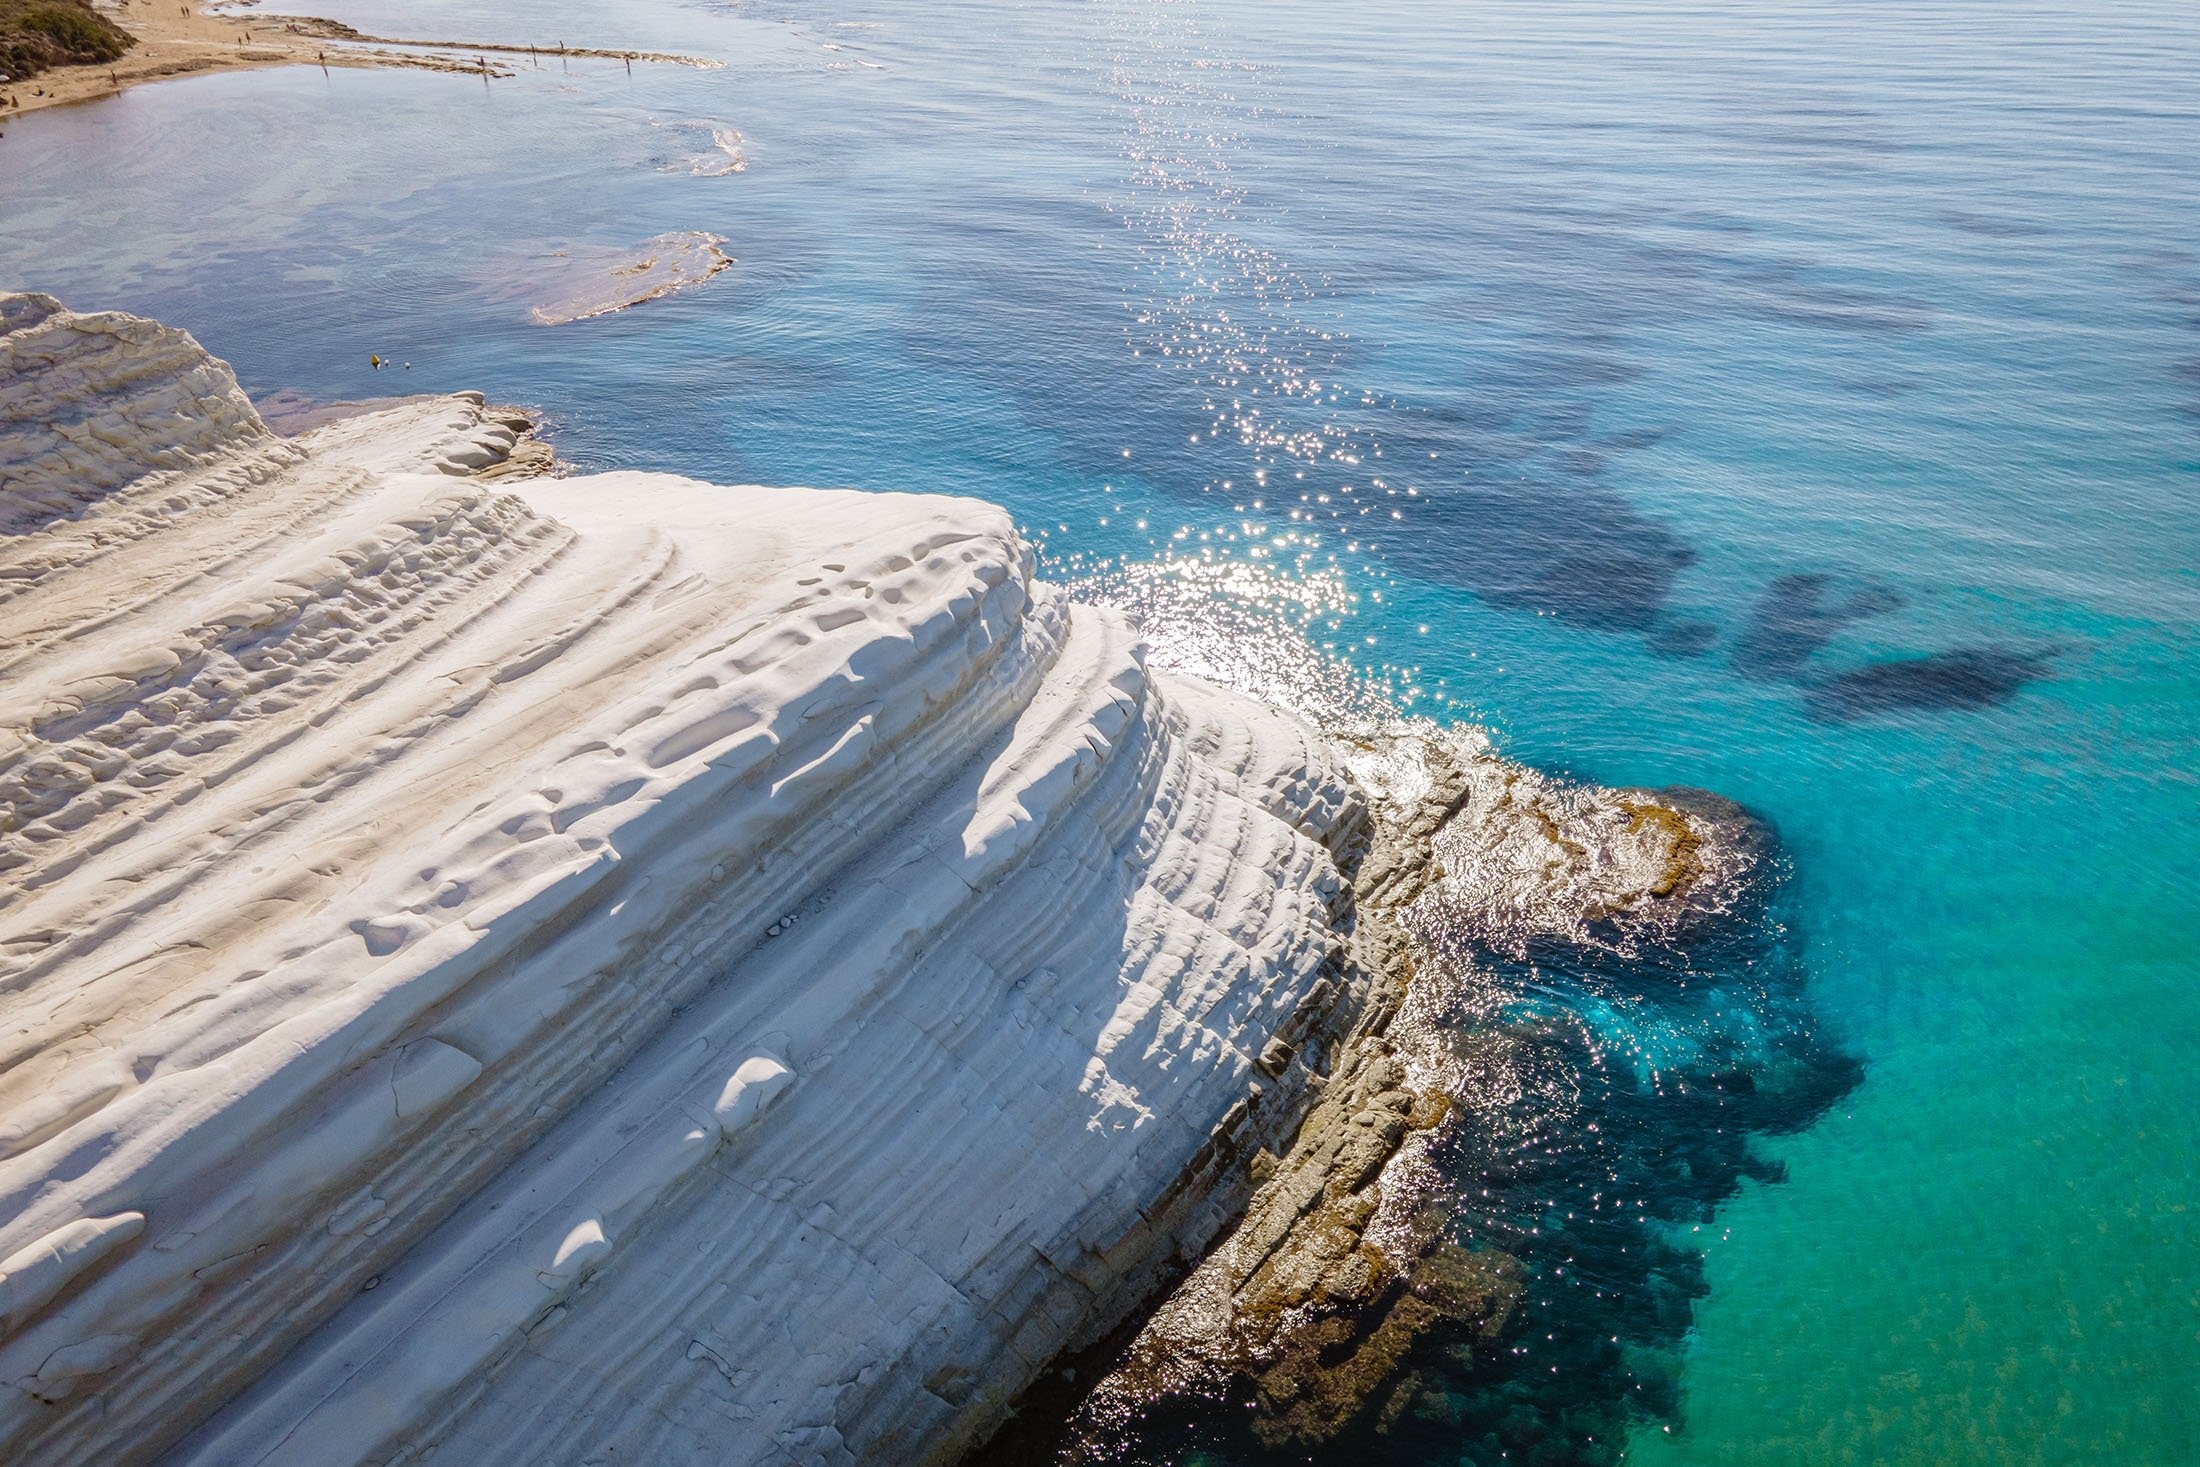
column 573, row 970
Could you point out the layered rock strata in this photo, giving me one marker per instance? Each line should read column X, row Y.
column 591, row 969
column 1305, row 1311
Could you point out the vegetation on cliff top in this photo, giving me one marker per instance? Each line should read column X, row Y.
column 36, row 34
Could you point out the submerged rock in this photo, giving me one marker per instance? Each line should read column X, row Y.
column 597, row 282
column 1958, row 679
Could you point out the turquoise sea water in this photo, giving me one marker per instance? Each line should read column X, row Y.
column 1797, row 401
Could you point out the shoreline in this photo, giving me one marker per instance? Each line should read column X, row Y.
column 578, row 968
column 1306, row 1312
column 196, row 41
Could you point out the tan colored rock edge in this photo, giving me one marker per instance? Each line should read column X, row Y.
column 1317, row 1294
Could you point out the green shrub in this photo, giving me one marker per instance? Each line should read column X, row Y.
column 36, row 34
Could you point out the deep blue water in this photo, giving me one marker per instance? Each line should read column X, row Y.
column 1799, row 401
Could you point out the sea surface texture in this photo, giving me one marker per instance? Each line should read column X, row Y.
column 1800, row 402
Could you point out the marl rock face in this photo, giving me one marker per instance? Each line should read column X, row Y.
column 1299, row 1331
column 528, row 969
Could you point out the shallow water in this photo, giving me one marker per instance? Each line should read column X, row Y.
column 1798, row 402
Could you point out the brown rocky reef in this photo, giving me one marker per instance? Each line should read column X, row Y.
column 1306, row 1312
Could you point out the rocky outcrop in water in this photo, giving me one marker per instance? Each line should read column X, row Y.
column 521, row 969
column 598, row 282
column 1344, row 1259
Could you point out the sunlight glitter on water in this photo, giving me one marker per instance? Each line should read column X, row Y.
column 1810, row 399
column 1251, row 627
column 1258, row 336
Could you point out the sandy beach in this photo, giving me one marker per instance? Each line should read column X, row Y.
column 176, row 40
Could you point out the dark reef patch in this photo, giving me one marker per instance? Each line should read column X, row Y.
column 1888, row 388
column 1572, row 549
column 1636, row 1083
column 1636, row 439
column 1796, row 617
column 1209, row 367
column 1995, row 226
column 1847, row 311
column 1955, row 680
column 1683, row 639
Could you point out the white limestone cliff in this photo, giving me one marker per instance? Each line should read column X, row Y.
column 591, row 969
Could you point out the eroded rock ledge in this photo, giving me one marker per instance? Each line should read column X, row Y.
column 1306, row 1310
column 526, row 969
column 500, row 968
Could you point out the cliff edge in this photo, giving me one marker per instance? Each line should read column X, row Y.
column 516, row 969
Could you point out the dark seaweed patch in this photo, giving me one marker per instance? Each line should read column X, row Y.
column 1635, row 438
column 1683, row 639
column 1796, row 617
column 1963, row 678
column 1994, row 226
column 1881, row 387
column 1556, row 542
column 1847, row 311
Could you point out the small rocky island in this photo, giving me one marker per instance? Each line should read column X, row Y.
column 502, row 967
